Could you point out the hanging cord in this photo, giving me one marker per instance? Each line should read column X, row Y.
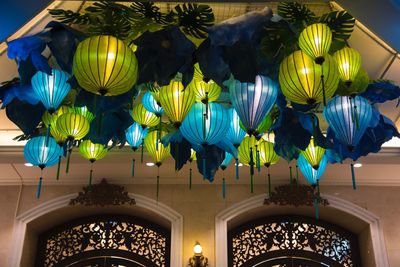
column 158, row 133
column 141, row 153
column 223, row 186
column 269, row 183
column 158, row 182
column 291, row 177
column 206, row 100
column 133, row 168
column 190, row 177
column 39, row 187
column 297, row 175
column 353, row 176
column 58, row 168
column 251, row 163
column 323, row 85
column 258, row 162
column 90, row 176
column 237, row 169
column 48, row 135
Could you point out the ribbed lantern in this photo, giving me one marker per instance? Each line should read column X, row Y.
column 84, row 111
column 315, row 40
column 151, row 104
column 51, row 89
column 105, row 65
column 263, row 127
column 73, row 125
column 235, row 133
column 176, row 101
column 268, row 156
column 42, row 152
column 348, row 63
column 348, row 117
column 313, row 154
column 305, row 82
column 205, row 130
column 252, row 101
column 135, row 135
column 144, row 117
column 311, row 174
column 227, row 160
column 158, row 152
column 249, row 155
column 50, row 120
column 206, row 90
column 92, row 152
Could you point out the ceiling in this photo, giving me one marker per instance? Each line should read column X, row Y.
column 380, row 169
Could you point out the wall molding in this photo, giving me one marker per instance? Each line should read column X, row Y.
column 222, row 219
column 22, row 220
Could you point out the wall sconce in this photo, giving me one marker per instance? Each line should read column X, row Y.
column 198, row 260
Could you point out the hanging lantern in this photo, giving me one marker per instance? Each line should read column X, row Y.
column 176, row 101
column 105, row 65
column 51, row 89
column 192, row 155
column 263, row 127
column 92, row 152
column 310, row 173
column 202, row 130
column 134, row 135
column 227, row 160
column 268, row 155
column 42, row 152
column 154, row 89
column 349, row 63
column 206, row 90
column 73, row 125
column 252, row 101
column 315, row 40
column 348, row 117
column 50, row 120
column 359, row 84
column 235, row 133
column 313, row 154
column 249, row 155
column 305, row 82
column 84, row 111
column 158, row 152
column 151, row 104
column 144, row 117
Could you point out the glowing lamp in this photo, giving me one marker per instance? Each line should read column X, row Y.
column 313, row 154
column 315, row 40
column 349, row 63
column 144, row 117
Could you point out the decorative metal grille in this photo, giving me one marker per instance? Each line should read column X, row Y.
column 277, row 237
column 105, row 236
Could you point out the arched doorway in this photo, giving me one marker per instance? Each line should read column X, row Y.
column 105, row 240
column 291, row 241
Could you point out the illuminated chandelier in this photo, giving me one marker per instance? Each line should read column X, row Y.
column 155, row 89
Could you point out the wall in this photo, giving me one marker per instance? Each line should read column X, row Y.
column 199, row 207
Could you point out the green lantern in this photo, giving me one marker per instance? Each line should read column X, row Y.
column 349, row 63
column 313, row 154
column 73, row 125
column 268, row 155
column 358, row 86
column 105, row 65
column 206, row 90
column 315, row 40
column 158, row 152
column 263, row 127
column 144, row 117
column 249, row 155
column 305, row 82
column 176, row 101
column 92, row 152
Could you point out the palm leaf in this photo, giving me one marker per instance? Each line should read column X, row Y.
column 69, row 17
column 341, row 24
column 193, row 19
column 147, row 11
column 296, row 13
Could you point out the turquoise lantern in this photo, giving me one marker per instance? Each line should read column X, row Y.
column 348, row 117
column 135, row 135
column 312, row 175
column 151, row 104
column 200, row 129
column 228, row 158
column 51, row 89
column 235, row 133
column 42, row 152
column 252, row 101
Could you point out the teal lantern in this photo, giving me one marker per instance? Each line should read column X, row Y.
column 43, row 152
column 235, row 133
column 150, row 103
column 135, row 135
column 51, row 89
column 310, row 173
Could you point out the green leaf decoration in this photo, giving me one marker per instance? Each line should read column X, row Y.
column 341, row 24
column 69, row 17
column 296, row 13
column 147, row 11
column 193, row 19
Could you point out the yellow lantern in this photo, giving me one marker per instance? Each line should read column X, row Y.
column 315, row 40
column 105, row 65
column 84, row 111
column 176, row 101
column 72, row 125
column 249, row 155
column 268, row 155
column 205, row 90
column 305, row 82
column 349, row 63
column 313, row 154
column 158, row 152
column 50, row 120
column 144, row 117
column 92, row 151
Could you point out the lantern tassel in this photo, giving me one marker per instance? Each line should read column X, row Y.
column 133, row 168
column 158, row 187
column 258, row 160
column 48, row 135
column 206, row 100
column 291, row 176
column 223, row 188
column 58, row 168
column 141, row 155
column 251, row 163
column 190, row 179
column 353, row 176
column 68, row 159
column 204, row 168
column 39, row 187
column 237, row 169
column 90, row 180
column 251, row 184
column 269, row 185
column 297, row 175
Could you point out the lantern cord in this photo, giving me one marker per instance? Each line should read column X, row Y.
column 258, row 160
column 141, row 155
column 297, row 175
column 323, row 86
column 158, row 183
column 90, row 178
column 204, row 168
column 269, row 184
column 291, row 176
column 190, row 179
column 223, row 188
column 58, row 167
column 39, row 187
column 251, row 183
column 353, row 176
column 206, row 100
column 48, row 135
column 68, row 159
column 158, row 133
column 204, row 125
column 237, row 169
column 251, row 162
column 133, row 168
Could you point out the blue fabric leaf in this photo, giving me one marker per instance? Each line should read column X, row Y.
column 181, row 152
column 306, row 121
column 381, row 91
column 14, row 89
column 228, row 147
column 24, row 115
column 212, row 157
column 175, row 136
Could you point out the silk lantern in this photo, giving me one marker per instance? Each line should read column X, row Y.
column 151, row 104
column 144, row 117
column 135, row 135
column 92, row 152
column 315, row 40
column 310, row 173
column 206, row 90
column 235, row 134
column 249, row 155
column 349, row 63
column 268, row 157
column 313, row 154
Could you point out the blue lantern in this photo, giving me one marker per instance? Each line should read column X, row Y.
column 42, row 152
column 348, row 117
column 51, row 89
column 252, row 101
column 201, row 129
column 235, row 133
column 227, row 160
column 151, row 104
column 312, row 175
column 135, row 135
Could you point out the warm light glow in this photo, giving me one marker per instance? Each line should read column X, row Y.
column 357, row 165
column 150, row 164
column 27, row 164
column 197, row 249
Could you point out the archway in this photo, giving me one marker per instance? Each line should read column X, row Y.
column 21, row 222
column 244, row 208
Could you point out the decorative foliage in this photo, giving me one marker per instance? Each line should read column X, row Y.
column 296, row 13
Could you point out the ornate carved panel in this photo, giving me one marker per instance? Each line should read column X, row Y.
column 120, row 236
column 271, row 238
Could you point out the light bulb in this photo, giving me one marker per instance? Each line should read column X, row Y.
column 197, row 249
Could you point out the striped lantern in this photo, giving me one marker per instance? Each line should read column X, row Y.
column 315, row 40
column 313, row 154
column 144, row 117
column 349, row 63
